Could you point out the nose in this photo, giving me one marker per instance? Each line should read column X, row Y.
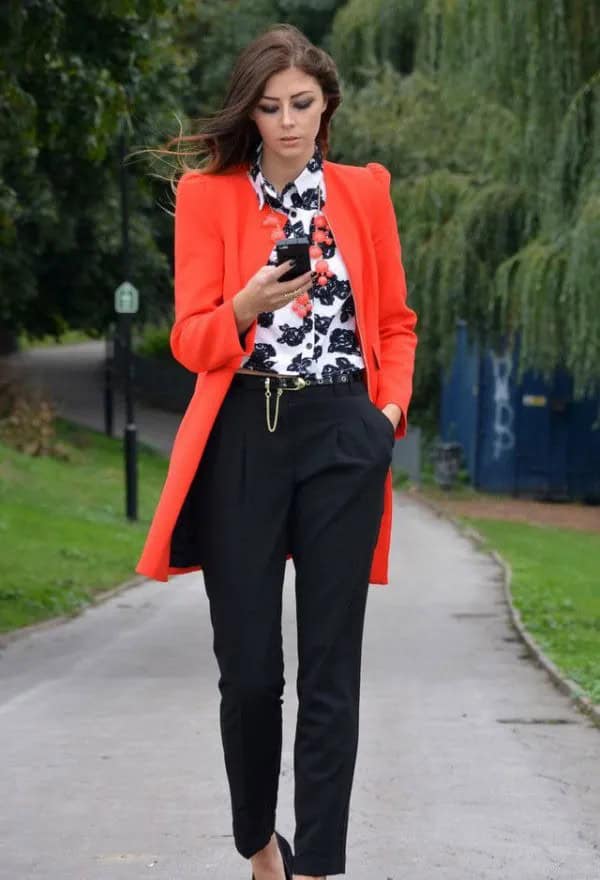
column 287, row 118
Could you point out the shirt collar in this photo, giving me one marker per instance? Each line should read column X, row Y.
column 299, row 193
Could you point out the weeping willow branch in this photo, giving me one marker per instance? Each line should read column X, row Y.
column 494, row 146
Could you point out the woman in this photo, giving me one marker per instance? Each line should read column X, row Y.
column 285, row 448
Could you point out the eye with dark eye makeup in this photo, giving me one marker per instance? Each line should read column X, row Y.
column 272, row 108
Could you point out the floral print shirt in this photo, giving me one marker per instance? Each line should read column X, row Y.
column 324, row 341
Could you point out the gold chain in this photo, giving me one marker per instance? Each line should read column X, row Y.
column 301, row 383
column 268, row 395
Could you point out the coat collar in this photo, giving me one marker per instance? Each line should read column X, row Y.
column 302, row 192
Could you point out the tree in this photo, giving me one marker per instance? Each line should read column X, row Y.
column 216, row 30
column 493, row 140
column 72, row 75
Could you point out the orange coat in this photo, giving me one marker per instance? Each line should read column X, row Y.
column 220, row 242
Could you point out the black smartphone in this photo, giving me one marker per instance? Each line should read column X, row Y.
column 293, row 249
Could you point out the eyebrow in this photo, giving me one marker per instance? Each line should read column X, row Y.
column 305, row 92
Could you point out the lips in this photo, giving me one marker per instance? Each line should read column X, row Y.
column 289, row 140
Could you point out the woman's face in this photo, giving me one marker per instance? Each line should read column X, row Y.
column 288, row 115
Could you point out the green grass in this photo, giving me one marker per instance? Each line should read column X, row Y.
column 556, row 587
column 67, row 337
column 63, row 530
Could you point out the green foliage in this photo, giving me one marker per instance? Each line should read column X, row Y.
column 487, row 114
column 367, row 34
column 217, row 30
column 154, row 341
column 493, row 142
column 66, row 337
column 458, row 222
column 73, row 77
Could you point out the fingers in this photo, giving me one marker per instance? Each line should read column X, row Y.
column 304, row 280
column 279, row 293
column 282, row 268
column 278, row 271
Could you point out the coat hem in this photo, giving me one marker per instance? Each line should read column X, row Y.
column 173, row 571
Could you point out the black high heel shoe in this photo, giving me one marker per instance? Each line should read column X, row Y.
column 286, row 854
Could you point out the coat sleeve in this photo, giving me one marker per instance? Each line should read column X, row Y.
column 204, row 335
column 397, row 320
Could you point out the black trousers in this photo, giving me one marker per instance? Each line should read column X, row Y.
column 313, row 486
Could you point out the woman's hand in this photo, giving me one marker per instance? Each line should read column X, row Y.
column 393, row 412
column 265, row 293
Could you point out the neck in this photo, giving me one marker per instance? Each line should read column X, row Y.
column 278, row 171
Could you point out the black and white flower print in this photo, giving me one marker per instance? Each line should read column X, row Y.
column 322, row 323
column 344, row 341
column 323, row 342
column 265, row 319
column 262, row 357
column 300, row 364
column 343, row 363
column 291, row 335
column 347, row 309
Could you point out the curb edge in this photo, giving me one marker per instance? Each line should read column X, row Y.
column 562, row 682
column 14, row 635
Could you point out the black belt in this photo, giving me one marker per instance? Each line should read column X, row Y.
column 295, row 383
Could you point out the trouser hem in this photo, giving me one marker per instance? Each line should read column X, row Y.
column 249, row 849
column 318, row 865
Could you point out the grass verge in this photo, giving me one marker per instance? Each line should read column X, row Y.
column 556, row 588
column 63, row 529
column 67, row 337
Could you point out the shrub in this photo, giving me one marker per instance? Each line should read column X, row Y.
column 27, row 419
column 153, row 341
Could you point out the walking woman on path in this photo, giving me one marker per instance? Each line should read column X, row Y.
column 285, row 448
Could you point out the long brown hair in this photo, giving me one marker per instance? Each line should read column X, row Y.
column 226, row 139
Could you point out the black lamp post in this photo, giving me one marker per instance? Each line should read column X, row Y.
column 126, row 304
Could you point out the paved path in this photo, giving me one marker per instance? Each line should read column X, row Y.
column 471, row 765
column 73, row 376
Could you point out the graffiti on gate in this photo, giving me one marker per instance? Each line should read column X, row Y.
column 504, row 416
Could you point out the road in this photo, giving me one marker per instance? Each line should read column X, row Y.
column 471, row 765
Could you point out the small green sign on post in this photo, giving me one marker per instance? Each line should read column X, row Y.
column 127, row 299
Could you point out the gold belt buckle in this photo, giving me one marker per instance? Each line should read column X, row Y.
column 300, row 383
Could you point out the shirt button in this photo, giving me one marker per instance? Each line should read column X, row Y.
column 293, row 213
column 309, row 344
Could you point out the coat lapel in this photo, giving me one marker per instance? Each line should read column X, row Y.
column 254, row 238
column 343, row 210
